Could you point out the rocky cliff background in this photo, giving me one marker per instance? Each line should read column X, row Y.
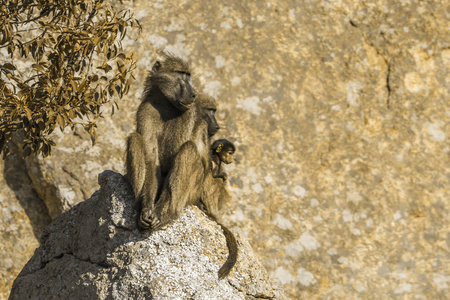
column 340, row 111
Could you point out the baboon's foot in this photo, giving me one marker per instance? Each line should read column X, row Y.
column 159, row 224
column 147, row 219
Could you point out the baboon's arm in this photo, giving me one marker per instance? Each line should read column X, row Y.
column 135, row 163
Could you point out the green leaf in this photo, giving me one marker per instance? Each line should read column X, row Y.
column 119, row 91
column 9, row 66
column 61, row 122
column 94, row 136
column 26, row 152
column 107, row 68
column 111, row 91
column 45, row 149
column 2, row 141
column 29, row 113
column 38, row 67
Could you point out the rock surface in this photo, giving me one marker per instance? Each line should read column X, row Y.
column 95, row 251
column 340, row 111
column 64, row 179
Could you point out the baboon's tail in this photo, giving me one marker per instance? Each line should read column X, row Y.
column 233, row 252
column 135, row 162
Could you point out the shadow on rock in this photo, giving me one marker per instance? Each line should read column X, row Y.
column 17, row 179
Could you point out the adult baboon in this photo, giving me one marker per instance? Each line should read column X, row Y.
column 190, row 181
column 165, row 122
column 183, row 181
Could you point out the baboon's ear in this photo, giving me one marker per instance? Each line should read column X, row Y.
column 156, row 67
column 219, row 148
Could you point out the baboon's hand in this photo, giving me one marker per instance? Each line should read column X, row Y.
column 223, row 175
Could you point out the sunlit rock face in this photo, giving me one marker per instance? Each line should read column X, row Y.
column 340, row 112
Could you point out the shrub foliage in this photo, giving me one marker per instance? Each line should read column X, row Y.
column 77, row 67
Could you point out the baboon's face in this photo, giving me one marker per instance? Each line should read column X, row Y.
column 206, row 109
column 226, row 155
column 177, row 87
column 210, row 117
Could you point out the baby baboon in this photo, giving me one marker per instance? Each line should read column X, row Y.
column 222, row 152
column 165, row 122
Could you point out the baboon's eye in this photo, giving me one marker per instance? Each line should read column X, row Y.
column 184, row 73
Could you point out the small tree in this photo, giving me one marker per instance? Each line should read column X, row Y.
column 77, row 67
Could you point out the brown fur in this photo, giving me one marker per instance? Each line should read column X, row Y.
column 186, row 164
